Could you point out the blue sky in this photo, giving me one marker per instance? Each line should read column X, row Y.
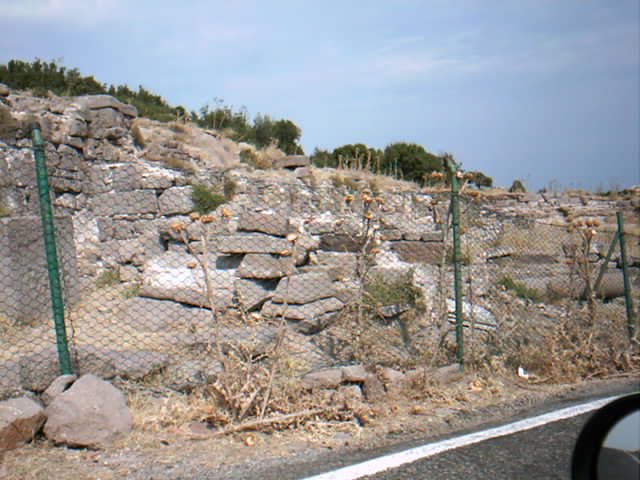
column 542, row 90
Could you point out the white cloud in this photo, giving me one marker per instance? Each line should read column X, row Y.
column 80, row 13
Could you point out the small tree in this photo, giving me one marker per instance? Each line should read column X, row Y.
column 517, row 187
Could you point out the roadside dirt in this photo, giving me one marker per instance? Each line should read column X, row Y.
column 185, row 451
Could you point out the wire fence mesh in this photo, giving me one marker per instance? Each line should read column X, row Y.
column 287, row 278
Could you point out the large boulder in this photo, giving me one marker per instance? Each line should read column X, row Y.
column 20, row 419
column 92, row 414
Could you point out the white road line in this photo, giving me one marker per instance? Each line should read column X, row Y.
column 386, row 462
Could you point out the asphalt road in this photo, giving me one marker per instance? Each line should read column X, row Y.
column 540, row 453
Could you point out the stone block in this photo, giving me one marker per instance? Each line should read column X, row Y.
column 252, row 294
column 269, row 223
column 309, row 311
column 252, row 243
column 135, row 202
column 176, row 200
column 419, row 252
column 265, row 266
column 304, row 288
column 24, row 281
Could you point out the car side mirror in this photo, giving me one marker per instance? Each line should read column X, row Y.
column 608, row 447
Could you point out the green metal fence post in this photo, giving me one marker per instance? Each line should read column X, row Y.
column 457, row 273
column 625, row 275
column 46, row 215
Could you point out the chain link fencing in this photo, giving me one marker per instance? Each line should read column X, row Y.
column 246, row 287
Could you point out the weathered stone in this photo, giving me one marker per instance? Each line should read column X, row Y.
column 4, row 90
column 391, row 234
column 253, row 243
column 59, row 385
column 373, row 389
column 393, row 380
column 124, row 203
column 327, row 378
column 151, row 315
column 176, row 200
column 252, row 294
column 101, row 121
column 23, row 270
column 354, row 374
column 92, row 413
column 499, row 252
column 97, row 102
column 341, row 243
column 170, row 277
column 270, row 223
column 419, row 252
column 264, row 266
column 432, row 237
column 347, row 397
column 304, row 288
column 118, row 252
column 344, row 262
column 76, row 127
column 292, row 161
column 448, row 374
column 20, row 419
column 308, row 311
column 187, row 375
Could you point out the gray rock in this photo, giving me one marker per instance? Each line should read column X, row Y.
column 20, row 419
column 341, row 243
column 307, row 312
column 499, row 252
column 91, row 414
column 304, row 288
column 270, row 223
column 263, row 266
column 59, row 385
column 393, row 380
column 326, row 378
column 253, row 243
column 419, row 252
column 354, row 374
column 176, row 200
column 4, row 90
column 103, row 120
column 124, row 203
column 169, row 277
column 97, row 102
column 252, row 294
column 373, row 389
column 151, row 315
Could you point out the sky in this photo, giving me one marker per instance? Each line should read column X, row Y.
column 546, row 91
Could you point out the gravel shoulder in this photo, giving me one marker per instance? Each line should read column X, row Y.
column 409, row 419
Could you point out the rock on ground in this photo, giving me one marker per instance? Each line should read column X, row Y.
column 92, row 413
column 20, row 419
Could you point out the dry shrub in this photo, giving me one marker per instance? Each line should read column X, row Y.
column 569, row 349
column 137, row 135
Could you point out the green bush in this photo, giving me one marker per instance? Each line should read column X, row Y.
column 4, row 211
column 205, row 200
column 517, row 187
column 229, row 188
column 521, row 290
column 398, row 290
column 107, row 278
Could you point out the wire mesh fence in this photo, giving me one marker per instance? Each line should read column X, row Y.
column 241, row 294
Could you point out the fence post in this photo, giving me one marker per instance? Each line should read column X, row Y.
column 457, row 274
column 625, row 275
column 53, row 270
